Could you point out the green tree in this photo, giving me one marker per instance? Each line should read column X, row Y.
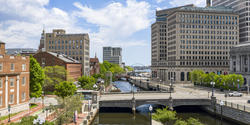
column 180, row 122
column 53, row 76
column 68, row 106
column 193, row 121
column 36, row 78
column 130, row 69
column 65, row 89
column 164, row 116
column 87, row 82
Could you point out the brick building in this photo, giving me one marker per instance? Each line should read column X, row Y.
column 73, row 67
column 14, row 82
column 94, row 66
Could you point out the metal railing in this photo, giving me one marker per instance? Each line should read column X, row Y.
column 235, row 106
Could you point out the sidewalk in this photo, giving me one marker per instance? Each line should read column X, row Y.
column 23, row 114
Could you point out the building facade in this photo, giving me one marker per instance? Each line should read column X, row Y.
column 112, row 55
column 94, row 66
column 241, row 7
column 187, row 38
column 73, row 67
column 75, row 46
column 14, row 82
column 240, row 61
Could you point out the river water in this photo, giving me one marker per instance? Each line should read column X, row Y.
column 142, row 117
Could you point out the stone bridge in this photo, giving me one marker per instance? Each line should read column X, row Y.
column 126, row 100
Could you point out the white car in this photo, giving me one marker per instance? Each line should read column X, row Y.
column 237, row 94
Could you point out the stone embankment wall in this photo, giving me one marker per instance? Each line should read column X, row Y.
column 240, row 116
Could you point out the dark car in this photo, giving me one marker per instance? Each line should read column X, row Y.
column 248, row 101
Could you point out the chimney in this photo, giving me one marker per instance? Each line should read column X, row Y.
column 208, row 3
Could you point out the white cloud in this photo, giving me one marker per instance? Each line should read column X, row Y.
column 175, row 3
column 159, row 1
column 117, row 21
column 24, row 19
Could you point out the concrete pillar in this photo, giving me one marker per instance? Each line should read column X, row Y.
column 248, row 63
column 242, row 63
column 231, row 64
column 17, row 92
column 238, row 63
column 6, row 92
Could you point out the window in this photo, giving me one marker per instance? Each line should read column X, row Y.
column 23, row 96
column 1, row 66
column 11, row 82
column 12, row 67
column 23, row 80
column 182, row 76
column 1, row 83
column 11, row 99
column 23, row 67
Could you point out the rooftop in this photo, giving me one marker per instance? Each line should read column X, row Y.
column 2, row 42
column 221, row 9
column 64, row 58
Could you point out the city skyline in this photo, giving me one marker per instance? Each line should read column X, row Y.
column 99, row 19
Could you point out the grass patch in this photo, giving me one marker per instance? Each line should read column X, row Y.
column 33, row 105
column 7, row 116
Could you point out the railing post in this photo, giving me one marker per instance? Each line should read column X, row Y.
column 231, row 105
column 237, row 106
column 244, row 108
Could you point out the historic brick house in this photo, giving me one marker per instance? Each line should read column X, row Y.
column 14, row 82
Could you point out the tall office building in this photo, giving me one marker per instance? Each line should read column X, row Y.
column 112, row 55
column 241, row 7
column 187, row 38
column 75, row 46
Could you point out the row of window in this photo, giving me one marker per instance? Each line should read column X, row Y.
column 204, row 47
column 208, row 27
column 208, row 22
column 209, row 32
column 12, row 82
column 203, row 63
column 65, row 47
column 207, row 16
column 208, row 37
column 205, row 57
column 204, row 52
column 66, row 42
column 11, row 98
column 12, row 67
column 209, row 42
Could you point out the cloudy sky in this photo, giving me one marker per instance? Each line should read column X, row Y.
column 120, row 23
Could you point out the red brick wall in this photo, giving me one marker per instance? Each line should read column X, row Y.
column 74, row 71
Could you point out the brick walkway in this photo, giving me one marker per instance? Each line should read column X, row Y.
column 23, row 114
column 80, row 120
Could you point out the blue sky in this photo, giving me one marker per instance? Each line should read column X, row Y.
column 119, row 23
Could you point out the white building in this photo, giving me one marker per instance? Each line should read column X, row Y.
column 112, row 55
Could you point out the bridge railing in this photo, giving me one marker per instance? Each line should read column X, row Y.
column 138, row 92
column 235, row 106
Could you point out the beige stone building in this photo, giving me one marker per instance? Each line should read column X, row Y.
column 187, row 38
column 75, row 46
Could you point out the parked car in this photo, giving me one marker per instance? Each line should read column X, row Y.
column 248, row 101
column 237, row 94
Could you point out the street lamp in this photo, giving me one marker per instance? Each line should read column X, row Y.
column 150, row 110
column 171, row 84
column 43, row 99
column 9, row 111
column 238, row 84
column 212, row 83
column 221, row 105
column 133, row 92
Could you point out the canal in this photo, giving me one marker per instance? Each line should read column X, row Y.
column 142, row 117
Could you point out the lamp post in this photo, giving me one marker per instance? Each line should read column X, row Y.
column 171, row 84
column 212, row 83
column 238, row 84
column 43, row 100
column 221, row 105
column 150, row 110
column 9, row 112
column 133, row 92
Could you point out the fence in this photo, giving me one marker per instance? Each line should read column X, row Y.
column 233, row 105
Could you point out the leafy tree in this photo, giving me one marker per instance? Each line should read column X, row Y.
column 65, row 89
column 164, row 116
column 86, row 82
column 36, row 78
column 129, row 68
column 193, row 121
column 68, row 106
column 180, row 122
column 53, row 76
